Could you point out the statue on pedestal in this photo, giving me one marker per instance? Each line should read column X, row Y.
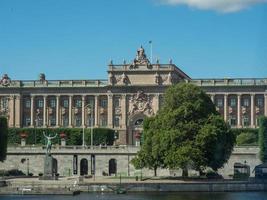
column 49, row 142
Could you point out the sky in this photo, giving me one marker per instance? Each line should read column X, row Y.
column 76, row 39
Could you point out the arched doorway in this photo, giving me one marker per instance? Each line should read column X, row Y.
column 135, row 128
column 112, row 167
column 84, row 167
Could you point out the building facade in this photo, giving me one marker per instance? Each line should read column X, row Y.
column 131, row 92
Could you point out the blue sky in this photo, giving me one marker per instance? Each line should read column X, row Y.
column 75, row 39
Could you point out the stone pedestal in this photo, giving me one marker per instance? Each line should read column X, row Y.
column 23, row 142
column 50, row 168
column 63, row 142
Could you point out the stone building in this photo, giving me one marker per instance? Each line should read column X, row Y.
column 133, row 90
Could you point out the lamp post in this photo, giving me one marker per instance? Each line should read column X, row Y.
column 91, row 124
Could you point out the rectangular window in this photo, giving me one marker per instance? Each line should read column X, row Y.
column 117, row 121
column 103, row 103
column 27, row 103
column 52, row 121
column 52, row 103
column 232, row 102
column 220, row 102
column 78, row 121
column 27, row 121
column 78, row 103
column 259, row 102
column 65, row 103
column 246, row 121
column 232, row 120
column 117, row 102
column 103, row 121
column 65, row 121
column 40, row 103
column 246, row 102
column 90, row 121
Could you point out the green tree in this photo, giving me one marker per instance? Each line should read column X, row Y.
column 151, row 154
column 188, row 132
column 263, row 138
column 3, row 138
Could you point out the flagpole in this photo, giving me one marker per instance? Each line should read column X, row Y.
column 151, row 51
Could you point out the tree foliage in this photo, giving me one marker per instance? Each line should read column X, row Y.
column 3, row 138
column 263, row 138
column 186, row 133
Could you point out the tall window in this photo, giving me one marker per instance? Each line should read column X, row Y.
column 246, row 102
column 40, row 103
column 232, row 120
column 117, row 121
column 78, row 103
column 27, row 103
column 65, row 121
column 103, row 120
column 78, row 121
column 245, row 120
column 53, row 121
column 52, row 103
column 117, row 102
column 65, row 103
column 232, row 102
column 103, row 103
column 220, row 102
column 259, row 102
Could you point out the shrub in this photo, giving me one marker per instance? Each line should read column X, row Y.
column 247, row 138
column 263, row 138
column 3, row 138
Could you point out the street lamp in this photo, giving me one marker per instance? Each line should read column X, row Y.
column 91, row 125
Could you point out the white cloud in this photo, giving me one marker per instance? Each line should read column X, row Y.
column 217, row 5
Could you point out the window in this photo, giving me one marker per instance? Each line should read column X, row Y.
column 40, row 103
column 65, row 121
column 52, row 121
column 27, row 103
column 220, row 102
column 246, row 102
column 117, row 121
column 65, row 103
column 259, row 102
column 90, row 121
column 78, row 121
column 245, row 120
column 117, row 102
column 27, row 121
column 232, row 120
column 103, row 103
column 232, row 102
column 78, row 103
column 103, row 121
column 52, row 103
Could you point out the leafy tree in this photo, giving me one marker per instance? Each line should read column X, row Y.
column 263, row 138
column 151, row 154
column 3, row 138
column 188, row 132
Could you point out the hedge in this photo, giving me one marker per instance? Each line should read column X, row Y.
column 246, row 136
column 73, row 135
column 263, row 138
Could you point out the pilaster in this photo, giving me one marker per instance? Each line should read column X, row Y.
column 225, row 107
column 11, row 108
column 57, row 110
column 96, row 110
column 110, row 110
column 238, row 110
column 252, row 111
column 18, row 111
column 32, row 107
column 70, row 110
column 83, row 111
column 44, row 111
column 123, row 110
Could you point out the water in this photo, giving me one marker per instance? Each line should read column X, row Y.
column 147, row 196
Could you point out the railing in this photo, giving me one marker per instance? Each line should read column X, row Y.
column 57, row 83
column 229, row 82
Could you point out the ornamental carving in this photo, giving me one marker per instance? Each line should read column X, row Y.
column 257, row 110
column 5, row 81
column 63, row 111
column 140, row 59
column 140, row 103
column 117, row 111
column 244, row 110
column 123, row 78
column 230, row 110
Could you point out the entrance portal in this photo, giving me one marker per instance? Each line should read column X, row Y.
column 84, row 167
column 112, row 167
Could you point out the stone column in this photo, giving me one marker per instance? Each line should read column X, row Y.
column 212, row 97
column 32, row 107
column 70, row 111
column 11, row 108
column 252, row 110
column 225, row 107
column 265, row 105
column 110, row 110
column 156, row 103
column 238, row 110
column 57, row 111
column 44, row 112
column 123, row 111
column 18, row 111
column 83, row 111
column 96, row 111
